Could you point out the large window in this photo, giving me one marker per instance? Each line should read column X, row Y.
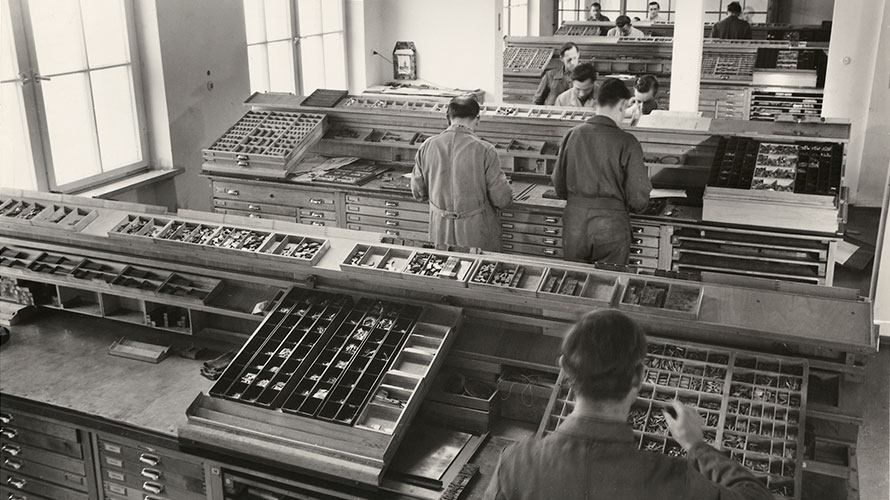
column 715, row 10
column 516, row 17
column 295, row 45
column 71, row 97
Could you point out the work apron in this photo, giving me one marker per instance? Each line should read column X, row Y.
column 477, row 228
column 596, row 230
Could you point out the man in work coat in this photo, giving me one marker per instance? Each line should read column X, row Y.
column 461, row 176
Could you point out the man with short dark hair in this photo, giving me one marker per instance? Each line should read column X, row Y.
column 654, row 12
column 645, row 96
column 593, row 454
column 582, row 93
column 600, row 171
column 624, row 28
column 596, row 14
column 733, row 27
column 461, row 177
column 558, row 80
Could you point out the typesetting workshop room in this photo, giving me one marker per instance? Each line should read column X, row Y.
column 456, row 250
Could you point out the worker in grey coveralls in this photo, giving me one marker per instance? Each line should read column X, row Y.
column 593, row 454
column 461, row 176
column 600, row 171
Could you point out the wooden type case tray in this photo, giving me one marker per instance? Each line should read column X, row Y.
column 51, row 215
column 752, row 407
column 664, row 298
column 420, row 265
column 226, row 239
column 327, row 383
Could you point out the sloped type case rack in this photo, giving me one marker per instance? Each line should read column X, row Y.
column 45, row 214
column 327, row 383
column 752, row 407
column 526, row 60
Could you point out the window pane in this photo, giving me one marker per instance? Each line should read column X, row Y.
column 334, row 62
column 281, row 67
column 17, row 167
column 278, row 18
column 332, row 15
column 58, row 36
column 69, row 119
column 8, row 60
column 105, row 28
column 258, row 64
column 255, row 21
column 519, row 20
column 714, row 5
column 310, row 17
column 312, row 69
column 115, row 103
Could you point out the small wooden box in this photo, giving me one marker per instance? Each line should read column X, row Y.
column 677, row 300
column 523, row 279
column 578, row 287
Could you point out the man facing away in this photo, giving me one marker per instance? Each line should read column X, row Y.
column 733, row 27
column 558, row 80
column 600, row 171
column 582, row 93
column 593, row 455
column 461, row 177
column 623, row 27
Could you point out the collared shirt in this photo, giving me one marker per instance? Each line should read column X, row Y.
column 599, row 160
column 555, row 82
column 732, row 28
column 594, row 459
column 569, row 99
column 600, row 19
column 650, row 106
column 634, row 33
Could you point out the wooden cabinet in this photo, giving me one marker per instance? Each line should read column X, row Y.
column 267, row 201
column 134, row 470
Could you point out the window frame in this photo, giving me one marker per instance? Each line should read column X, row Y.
column 44, row 164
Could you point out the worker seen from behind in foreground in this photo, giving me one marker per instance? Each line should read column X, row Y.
column 583, row 91
column 624, row 28
column 558, row 80
column 461, row 177
column 732, row 27
column 600, row 171
column 593, row 454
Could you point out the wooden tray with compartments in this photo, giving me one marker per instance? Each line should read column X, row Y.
column 649, row 296
column 580, row 287
column 45, row 214
column 218, row 238
column 752, row 407
column 526, row 61
column 443, row 269
column 516, row 278
column 327, row 383
column 264, row 143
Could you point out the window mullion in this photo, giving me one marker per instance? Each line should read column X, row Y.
column 89, row 76
column 297, row 47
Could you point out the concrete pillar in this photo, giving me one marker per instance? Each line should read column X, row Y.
column 687, row 52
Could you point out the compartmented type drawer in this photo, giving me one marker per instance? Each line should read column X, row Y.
column 382, row 222
column 133, row 470
column 390, row 213
column 371, row 201
column 531, row 239
column 522, row 248
column 260, row 208
column 401, row 233
column 261, row 193
column 528, row 218
column 255, row 215
column 521, row 227
column 18, row 484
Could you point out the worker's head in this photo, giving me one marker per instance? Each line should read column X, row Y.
column 645, row 88
column 623, row 24
column 611, row 98
column 748, row 14
column 654, row 9
column 596, row 9
column 602, row 355
column 734, row 9
column 583, row 81
column 569, row 55
column 464, row 110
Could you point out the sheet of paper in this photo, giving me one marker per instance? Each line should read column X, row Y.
column 845, row 250
column 667, row 193
column 677, row 120
column 337, row 162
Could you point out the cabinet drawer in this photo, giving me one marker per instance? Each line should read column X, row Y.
column 263, row 208
column 14, row 494
column 147, row 492
column 382, row 222
column 640, row 261
column 521, row 227
column 254, row 215
column 317, row 214
column 318, row 223
column 643, row 251
column 18, row 420
column 390, row 213
column 643, row 229
column 401, row 233
column 640, row 240
column 38, row 456
column 547, row 220
column 547, row 241
column 43, row 472
column 116, row 455
column 387, row 203
column 166, row 484
column 17, row 482
column 532, row 249
column 14, row 435
column 286, row 196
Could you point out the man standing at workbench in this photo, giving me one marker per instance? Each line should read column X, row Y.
column 600, row 171
column 461, row 177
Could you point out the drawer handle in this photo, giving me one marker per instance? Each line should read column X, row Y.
column 507, row 246
column 508, row 215
column 390, row 203
column 636, row 251
column 148, row 459
column 316, row 201
column 243, row 164
column 152, row 497
column 316, row 223
column 551, row 220
column 317, row 215
column 11, row 449
column 255, row 216
column 253, row 207
column 506, row 225
column 13, row 496
column 391, row 223
column 391, row 213
column 152, row 487
column 12, row 464
column 9, row 433
column 637, row 241
column 637, row 229
column 153, row 474
column 549, row 241
column 241, row 157
column 17, row 482
column 507, row 236
column 391, row 232
column 551, row 231
column 636, row 262
column 232, row 192
column 353, row 208
column 5, row 418
column 549, row 251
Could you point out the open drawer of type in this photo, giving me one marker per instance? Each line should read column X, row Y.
column 520, row 279
column 578, row 286
column 679, row 300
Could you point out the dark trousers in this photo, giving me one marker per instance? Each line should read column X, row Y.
column 596, row 235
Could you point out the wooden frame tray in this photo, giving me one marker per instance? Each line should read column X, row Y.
column 578, row 286
column 519, row 279
column 648, row 296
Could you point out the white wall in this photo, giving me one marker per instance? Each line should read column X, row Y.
column 876, row 143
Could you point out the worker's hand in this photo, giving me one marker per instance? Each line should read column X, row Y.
column 684, row 423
